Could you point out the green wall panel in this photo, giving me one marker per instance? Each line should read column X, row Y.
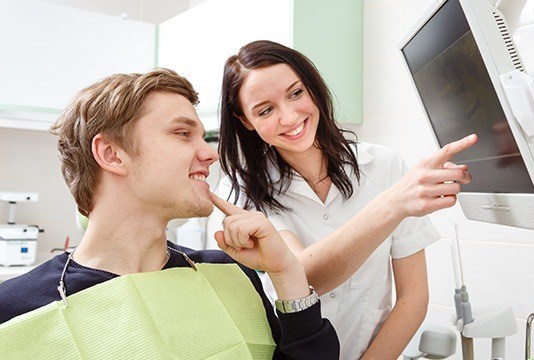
column 330, row 33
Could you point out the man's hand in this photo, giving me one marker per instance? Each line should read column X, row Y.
column 250, row 238
column 433, row 183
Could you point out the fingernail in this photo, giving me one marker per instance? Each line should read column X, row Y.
column 471, row 137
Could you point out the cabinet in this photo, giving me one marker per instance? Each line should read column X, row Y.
column 49, row 52
column 330, row 33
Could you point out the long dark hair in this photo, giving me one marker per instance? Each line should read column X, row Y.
column 245, row 157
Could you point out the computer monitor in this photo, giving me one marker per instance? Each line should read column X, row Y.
column 455, row 55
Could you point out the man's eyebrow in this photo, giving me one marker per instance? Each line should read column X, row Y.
column 187, row 121
column 265, row 102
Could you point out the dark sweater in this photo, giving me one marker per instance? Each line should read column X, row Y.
column 302, row 335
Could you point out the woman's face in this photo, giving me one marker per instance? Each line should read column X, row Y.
column 279, row 108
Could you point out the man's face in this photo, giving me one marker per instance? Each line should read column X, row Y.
column 169, row 172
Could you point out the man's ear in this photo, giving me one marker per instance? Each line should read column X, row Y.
column 245, row 122
column 109, row 156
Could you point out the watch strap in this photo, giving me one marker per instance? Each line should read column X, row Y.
column 293, row 306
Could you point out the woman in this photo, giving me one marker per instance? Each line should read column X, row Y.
column 285, row 156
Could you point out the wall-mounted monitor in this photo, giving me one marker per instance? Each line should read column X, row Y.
column 456, row 54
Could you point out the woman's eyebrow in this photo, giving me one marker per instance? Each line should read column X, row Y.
column 258, row 105
column 290, row 86
column 265, row 102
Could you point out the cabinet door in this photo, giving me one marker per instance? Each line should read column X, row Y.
column 49, row 52
column 330, row 33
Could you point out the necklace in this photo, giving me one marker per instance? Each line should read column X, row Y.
column 63, row 291
column 323, row 175
column 315, row 185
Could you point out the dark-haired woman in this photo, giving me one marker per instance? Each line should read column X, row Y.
column 285, row 155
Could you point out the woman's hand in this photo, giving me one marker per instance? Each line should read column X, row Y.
column 433, row 183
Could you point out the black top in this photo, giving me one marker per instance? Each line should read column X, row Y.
column 301, row 335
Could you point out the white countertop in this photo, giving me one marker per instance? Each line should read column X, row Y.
column 8, row 272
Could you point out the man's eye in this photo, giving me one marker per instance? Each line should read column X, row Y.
column 266, row 111
column 183, row 133
column 296, row 93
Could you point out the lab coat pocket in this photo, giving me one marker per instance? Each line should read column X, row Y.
column 375, row 316
column 371, row 324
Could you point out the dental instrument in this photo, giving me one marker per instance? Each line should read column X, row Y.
column 461, row 297
column 484, row 321
column 528, row 338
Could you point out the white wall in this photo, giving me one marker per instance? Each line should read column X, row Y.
column 498, row 261
column 29, row 162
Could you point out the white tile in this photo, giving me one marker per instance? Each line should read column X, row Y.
column 493, row 273
column 475, row 230
column 387, row 89
column 409, row 134
column 440, row 273
column 411, row 12
column 380, row 31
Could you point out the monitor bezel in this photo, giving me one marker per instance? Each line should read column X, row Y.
column 497, row 208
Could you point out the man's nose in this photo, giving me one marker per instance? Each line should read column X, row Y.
column 207, row 154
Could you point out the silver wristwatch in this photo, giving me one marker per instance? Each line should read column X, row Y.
column 293, row 306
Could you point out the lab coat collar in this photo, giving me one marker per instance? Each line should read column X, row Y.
column 299, row 186
column 362, row 155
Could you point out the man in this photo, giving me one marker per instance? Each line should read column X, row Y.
column 133, row 155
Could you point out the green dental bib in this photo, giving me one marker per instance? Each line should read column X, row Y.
column 179, row 313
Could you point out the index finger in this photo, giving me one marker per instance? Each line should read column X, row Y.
column 226, row 207
column 444, row 154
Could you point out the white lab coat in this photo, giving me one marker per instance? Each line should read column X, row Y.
column 359, row 307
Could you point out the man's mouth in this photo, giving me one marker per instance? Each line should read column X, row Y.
column 198, row 176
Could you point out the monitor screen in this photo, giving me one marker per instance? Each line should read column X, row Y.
column 459, row 99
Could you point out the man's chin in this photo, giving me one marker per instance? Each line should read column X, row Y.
column 193, row 209
column 204, row 209
column 207, row 211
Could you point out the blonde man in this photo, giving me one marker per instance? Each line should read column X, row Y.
column 133, row 155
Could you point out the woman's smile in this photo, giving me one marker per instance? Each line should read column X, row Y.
column 296, row 132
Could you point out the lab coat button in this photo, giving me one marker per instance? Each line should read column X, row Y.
column 325, row 217
column 332, row 295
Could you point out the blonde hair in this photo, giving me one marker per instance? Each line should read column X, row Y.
column 110, row 107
